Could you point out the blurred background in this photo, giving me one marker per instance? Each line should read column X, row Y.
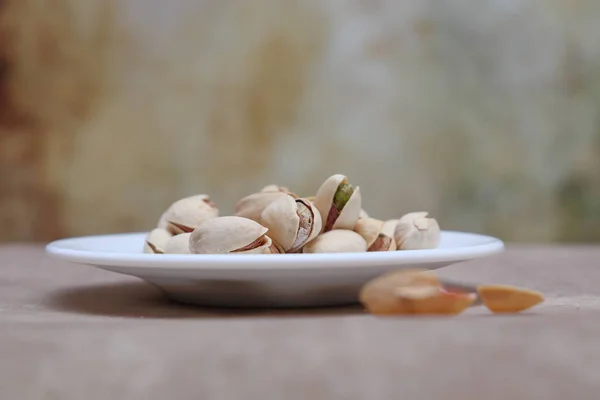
column 484, row 112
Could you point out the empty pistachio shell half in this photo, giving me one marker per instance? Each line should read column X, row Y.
column 186, row 214
column 416, row 231
column 178, row 244
column 224, row 235
column 252, row 206
column 156, row 240
column 337, row 241
column 292, row 222
column 372, row 231
column 508, row 299
column 338, row 202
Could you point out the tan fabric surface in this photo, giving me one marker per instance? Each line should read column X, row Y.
column 75, row 332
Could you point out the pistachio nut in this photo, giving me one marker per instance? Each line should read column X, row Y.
column 223, row 235
column 337, row 241
column 372, row 230
column 186, row 214
column 179, row 244
column 339, row 203
column 252, row 206
column 276, row 188
column 156, row 240
column 292, row 222
column 274, row 248
column 416, row 231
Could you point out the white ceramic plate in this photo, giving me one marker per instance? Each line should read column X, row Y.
column 263, row 280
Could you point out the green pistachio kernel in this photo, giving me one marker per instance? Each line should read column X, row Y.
column 342, row 195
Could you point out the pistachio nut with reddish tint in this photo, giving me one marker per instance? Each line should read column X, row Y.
column 229, row 235
column 339, row 203
column 378, row 239
column 337, row 241
column 156, row 240
column 179, row 244
column 186, row 214
column 415, row 231
column 292, row 223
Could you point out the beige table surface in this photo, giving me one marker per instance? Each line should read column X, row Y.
column 75, row 332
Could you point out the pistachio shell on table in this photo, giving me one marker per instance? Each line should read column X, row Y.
column 235, row 235
column 372, row 230
column 339, row 203
column 416, row 231
column 292, row 222
column 337, row 241
column 179, row 244
column 156, row 240
column 508, row 299
column 412, row 292
column 186, row 214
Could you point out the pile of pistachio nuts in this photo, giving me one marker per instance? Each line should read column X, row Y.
column 276, row 221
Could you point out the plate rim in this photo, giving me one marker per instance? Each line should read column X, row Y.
column 56, row 249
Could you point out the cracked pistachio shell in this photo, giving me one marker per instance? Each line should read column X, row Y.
column 224, row 235
column 377, row 238
column 274, row 248
column 337, row 241
column 369, row 229
column 186, row 214
column 416, row 231
column 388, row 229
column 292, row 222
column 324, row 201
column 156, row 240
column 252, row 206
column 178, row 244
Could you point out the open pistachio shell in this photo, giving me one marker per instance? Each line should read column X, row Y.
column 292, row 222
column 416, row 231
column 335, row 189
column 274, row 248
column 186, row 214
column 369, row 229
column 224, row 235
column 252, row 206
column 156, row 240
column 178, row 244
column 388, row 229
column 378, row 239
column 337, row 241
